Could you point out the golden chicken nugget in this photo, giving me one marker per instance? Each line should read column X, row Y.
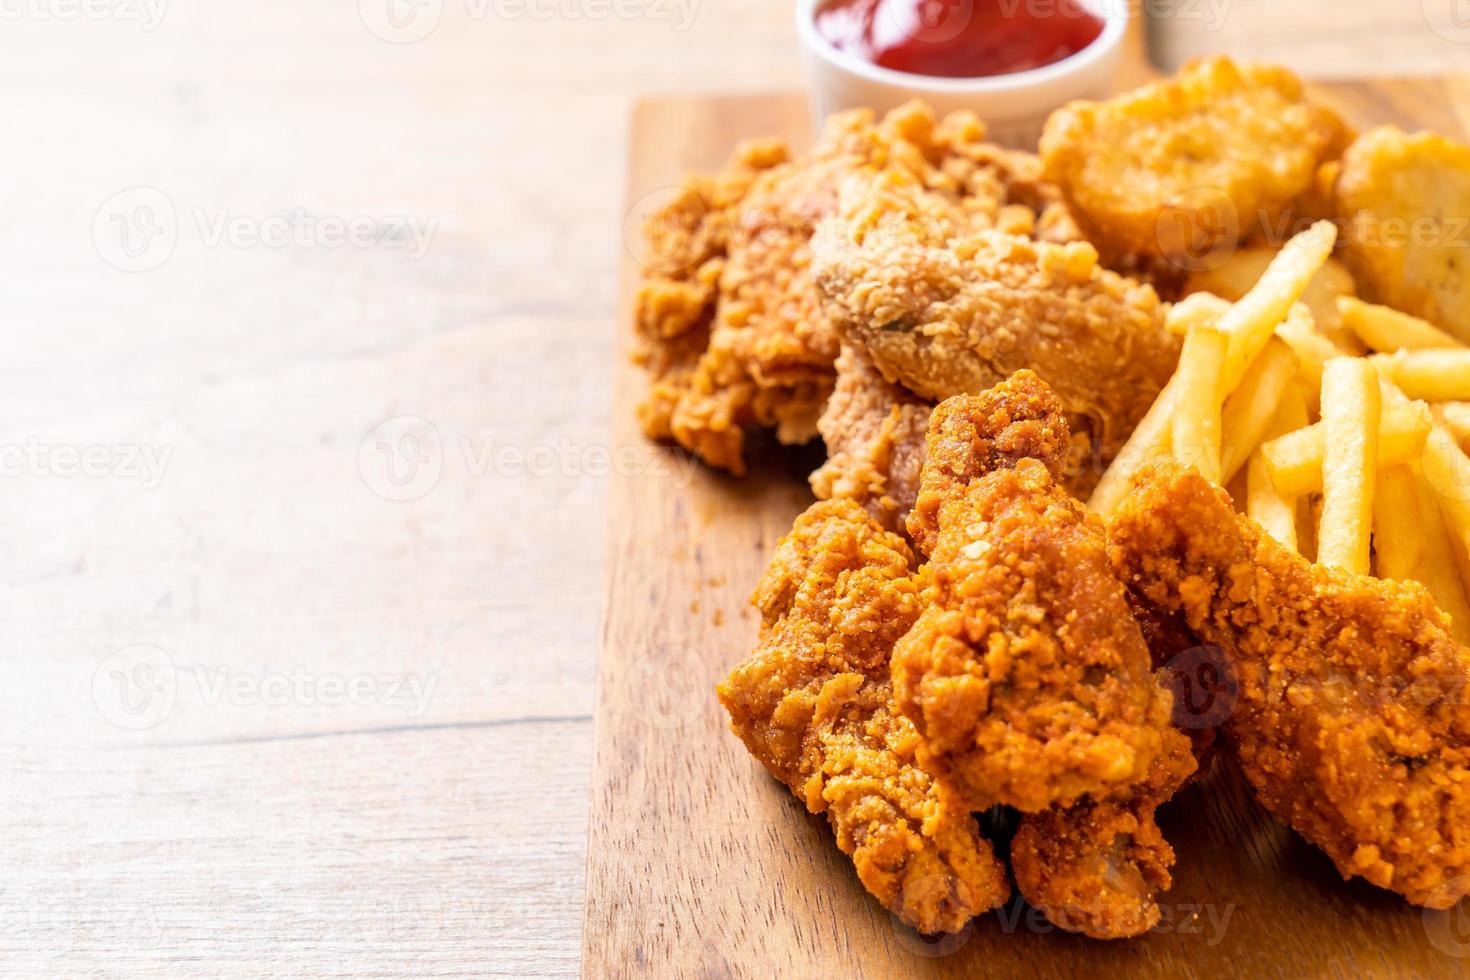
column 1188, row 167
column 1405, row 200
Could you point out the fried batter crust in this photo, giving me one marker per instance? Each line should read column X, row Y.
column 813, row 705
column 967, row 438
column 874, row 432
column 729, row 325
column 1406, row 202
column 1352, row 723
column 1026, row 675
column 1150, row 170
column 944, row 311
column 1099, row 867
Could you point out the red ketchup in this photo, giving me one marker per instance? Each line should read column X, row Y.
column 959, row 38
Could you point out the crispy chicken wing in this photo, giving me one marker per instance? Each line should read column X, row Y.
column 1025, row 673
column 1186, row 167
column 1352, row 722
column 813, row 705
column 1099, row 867
column 730, row 328
column 968, row 438
column 944, row 310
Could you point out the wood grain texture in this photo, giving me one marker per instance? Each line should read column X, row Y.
column 701, row 865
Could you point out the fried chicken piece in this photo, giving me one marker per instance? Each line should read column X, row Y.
column 943, row 310
column 874, row 432
column 729, row 324
column 1183, row 168
column 813, row 705
column 968, row 438
column 685, row 244
column 1026, row 675
column 1099, row 867
column 1352, row 723
column 1406, row 200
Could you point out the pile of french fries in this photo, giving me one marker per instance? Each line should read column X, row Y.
column 1344, row 440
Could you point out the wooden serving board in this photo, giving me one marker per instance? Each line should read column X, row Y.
column 701, row 865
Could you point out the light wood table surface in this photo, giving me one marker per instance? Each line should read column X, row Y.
column 303, row 447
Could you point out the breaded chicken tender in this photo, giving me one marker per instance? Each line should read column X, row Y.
column 1026, row 674
column 1187, row 167
column 944, row 310
column 1405, row 200
column 1352, row 722
column 729, row 325
column 813, row 704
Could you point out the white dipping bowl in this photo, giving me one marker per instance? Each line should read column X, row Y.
column 1014, row 106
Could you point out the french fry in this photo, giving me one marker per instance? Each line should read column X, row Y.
column 1249, row 411
column 1398, row 527
column 1447, row 470
column 1386, row 330
column 1243, row 270
column 1253, row 320
column 1308, row 520
column 1413, row 544
column 1264, row 504
column 1296, row 459
column 1433, row 375
column 1351, row 414
column 1195, row 433
column 1250, row 324
column 1149, row 442
column 1194, row 310
column 1442, row 571
column 1311, row 347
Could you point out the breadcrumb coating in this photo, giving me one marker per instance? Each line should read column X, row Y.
column 874, row 431
column 1352, row 722
column 967, row 438
column 1099, row 867
column 1026, row 674
column 813, row 705
column 1007, row 669
column 945, row 310
column 730, row 328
